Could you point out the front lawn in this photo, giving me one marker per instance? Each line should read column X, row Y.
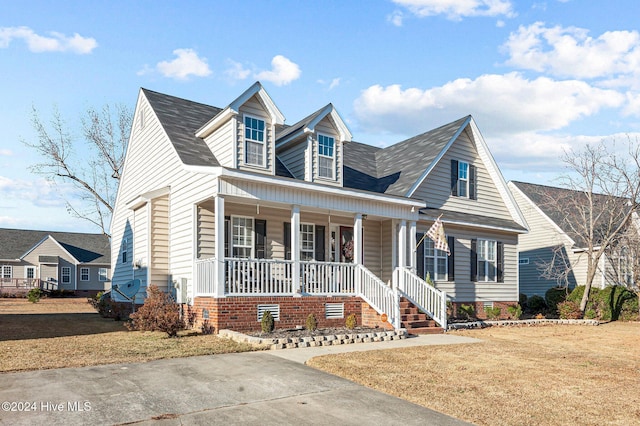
column 56, row 333
column 546, row 375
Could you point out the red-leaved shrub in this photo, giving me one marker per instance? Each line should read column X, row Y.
column 159, row 313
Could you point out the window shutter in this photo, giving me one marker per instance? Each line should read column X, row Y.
column 227, row 236
column 319, row 254
column 473, row 182
column 287, row 241
column 474, row 260
column 451, row 259
column 500, row 261
column 454, row 177
column 420, row 255
column 260, row 226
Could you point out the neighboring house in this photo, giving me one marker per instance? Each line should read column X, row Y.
column 54, row 261
column 239, row 213
column 552, row 243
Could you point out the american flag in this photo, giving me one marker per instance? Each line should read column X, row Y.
column 436, row 233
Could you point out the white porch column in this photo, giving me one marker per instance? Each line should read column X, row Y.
column 412, row 244
column 402, row 244
column 219, row 245
column 295, row 247
column 394, row 244
column 357, row 239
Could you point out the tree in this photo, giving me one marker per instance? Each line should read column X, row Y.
column 602, row 191
column 93, row 164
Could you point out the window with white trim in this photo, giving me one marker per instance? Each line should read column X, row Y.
column 307, row 241
column 66, row 274
column 487, row 265
column 7, row 271
column 523, row 261
column 463, row 179
column 102, row 274
column 435, row 261
column 326, row 156
column 84, row 274
column 30, row 272
column 242, row 236
column 254, row 141
column 124, row 251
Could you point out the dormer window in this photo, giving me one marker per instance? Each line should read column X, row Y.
column 254, row 142
column 326, row 156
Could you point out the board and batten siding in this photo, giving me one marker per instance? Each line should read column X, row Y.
column 221, row 143
column 435, row 190
column 254, row 108
column 205, row 228
column 140, row 254
column 465, row 290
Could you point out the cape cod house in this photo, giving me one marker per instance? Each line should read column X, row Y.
column 554, row 245
column 239, row 213
column 71, row 261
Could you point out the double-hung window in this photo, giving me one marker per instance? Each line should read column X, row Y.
column 254, row 130
column 435, row 261
column 242, row 236
column 463, row 179
column 7, row 271
column 66, row 274
column 102, row 274
column 124, row 251
column 307, row 238
column 326, row 157
column 487, row 260
column 30, row 272
column 84, row 274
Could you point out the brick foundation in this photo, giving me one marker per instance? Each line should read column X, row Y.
column 241, row 313
column 479, row 309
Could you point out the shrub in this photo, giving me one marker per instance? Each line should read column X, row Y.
column 34, row 295
column 467, row 311
column 569, row 310
column 609, row 304
column 158, row 313
column 493, row 313
column 351, row 322
column 536, row 304
column 312, row 323
column 522, row 299
column 554, row 296
column 61, row 293
column 514, row 312
column 267, row 322
column 207, row 328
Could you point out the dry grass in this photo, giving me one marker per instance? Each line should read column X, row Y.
column 551, row 375
column 56, row 333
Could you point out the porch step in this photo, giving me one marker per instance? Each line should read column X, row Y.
column 415, row 321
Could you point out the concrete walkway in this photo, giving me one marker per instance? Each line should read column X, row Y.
column 247, row 388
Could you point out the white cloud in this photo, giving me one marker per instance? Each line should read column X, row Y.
column 237, row 71
column 396, row 18
column 334, row 83
column 570, row 52
column 505, row 104
column 55, row 42
column 186, row 64
column 457, row 9
column 6, row 152
column 39, row 192
column 282, row 72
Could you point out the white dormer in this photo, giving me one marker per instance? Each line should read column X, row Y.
column 242, row 135
column 312, row 148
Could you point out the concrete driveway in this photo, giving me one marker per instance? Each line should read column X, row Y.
column 246, row 388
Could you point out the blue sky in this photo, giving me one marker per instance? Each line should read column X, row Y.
column 538, row 77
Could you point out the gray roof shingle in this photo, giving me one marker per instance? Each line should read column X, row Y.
column 86, row 248
column 180, row 119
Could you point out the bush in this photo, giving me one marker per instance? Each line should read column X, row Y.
column 267, row 322
column 493, row 313
column 34, row 295
column 158, row 313
column 536, row 304
column 312, row 323
column 569, row 310
column 351, row 322
column 554, row 296
column 609, row 304
column 522, row 299
column 61, row 293
column 467, row 311
column 207, row 328
column 514, row 312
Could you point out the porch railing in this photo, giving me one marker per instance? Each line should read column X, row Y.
column 424, row 296
column 27, row 284
column 258, row 277
column 378, row 295
column 328, row 278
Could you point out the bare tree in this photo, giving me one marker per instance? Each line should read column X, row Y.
column 93, row 163
column 602, row 192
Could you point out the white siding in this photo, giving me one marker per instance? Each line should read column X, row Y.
column 294, row 158
column 221, row 143
column 160, row 242
column 254, row 108
column 326, row 127
column 205, row 248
